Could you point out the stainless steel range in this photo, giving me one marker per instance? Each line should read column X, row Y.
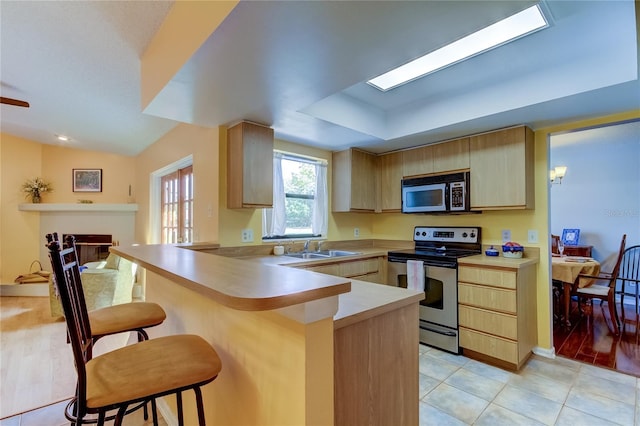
column 436, row 253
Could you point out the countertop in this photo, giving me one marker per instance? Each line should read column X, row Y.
column 235, row 283
column 498, row 261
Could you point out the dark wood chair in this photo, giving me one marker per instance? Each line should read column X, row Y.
column 125, row 379
column 606, row 292
column 629, row 273
column 554, row 244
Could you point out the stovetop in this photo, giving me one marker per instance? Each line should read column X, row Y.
column 442, row 243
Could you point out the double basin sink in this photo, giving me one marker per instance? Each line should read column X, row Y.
column 322, row 254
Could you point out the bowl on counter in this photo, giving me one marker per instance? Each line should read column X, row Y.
column 491, row 251
column 514, row 252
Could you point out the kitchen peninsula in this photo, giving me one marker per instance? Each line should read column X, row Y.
column 297, row 347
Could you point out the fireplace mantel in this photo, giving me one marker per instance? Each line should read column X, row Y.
column 77, row 207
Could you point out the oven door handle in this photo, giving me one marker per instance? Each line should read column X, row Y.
column 433, row 330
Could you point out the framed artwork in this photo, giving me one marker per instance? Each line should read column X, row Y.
column 570, row 237
column 87, row 180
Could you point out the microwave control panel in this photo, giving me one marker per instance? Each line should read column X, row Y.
column 456, row 196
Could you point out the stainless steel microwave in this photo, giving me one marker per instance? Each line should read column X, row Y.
column 436, row 194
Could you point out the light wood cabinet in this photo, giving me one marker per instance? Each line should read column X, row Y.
column 451, row 156
column 249, row 166
column 502, row 169
column 417, row 161
column 497, row 313
column 354, row 181
column 371, row 270
column 390, row 166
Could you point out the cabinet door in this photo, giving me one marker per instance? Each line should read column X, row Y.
column 354, row 181
column 390, row 181
column 417, row 161
column 501, row 166
column 451, row 156
column 249, row 166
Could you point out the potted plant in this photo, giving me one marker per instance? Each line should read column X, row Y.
column 34, row 188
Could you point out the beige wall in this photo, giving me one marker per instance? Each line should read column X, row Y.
column 184, row 140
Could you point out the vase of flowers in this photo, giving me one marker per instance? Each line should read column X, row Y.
column 34, row 188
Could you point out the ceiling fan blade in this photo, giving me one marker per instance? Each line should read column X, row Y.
column 14, row 102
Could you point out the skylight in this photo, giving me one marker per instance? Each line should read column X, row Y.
column 515, row 26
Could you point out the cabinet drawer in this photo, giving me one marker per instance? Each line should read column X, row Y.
column 496, row 347
column 359, row 267
column 325, row 269
column 492, row 277
column 494, row 299
column 495, row 323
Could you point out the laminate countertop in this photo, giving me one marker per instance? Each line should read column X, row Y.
column 269, row 282
column 235, row 283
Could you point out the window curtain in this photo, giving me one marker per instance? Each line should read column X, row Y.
column 274, row 220
column 320, row 203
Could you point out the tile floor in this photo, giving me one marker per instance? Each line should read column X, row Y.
column 455, row 390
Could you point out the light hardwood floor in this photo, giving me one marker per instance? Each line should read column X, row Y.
column 36, row 364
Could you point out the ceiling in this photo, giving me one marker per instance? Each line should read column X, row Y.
column 301, row 66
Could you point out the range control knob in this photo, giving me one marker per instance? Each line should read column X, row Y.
column 464, row 235
column 424, row 234
column 473, row 235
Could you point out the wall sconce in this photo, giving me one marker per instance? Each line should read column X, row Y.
column 557, row 173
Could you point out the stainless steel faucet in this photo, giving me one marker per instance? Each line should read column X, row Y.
column 306, row 246
column 319, row 248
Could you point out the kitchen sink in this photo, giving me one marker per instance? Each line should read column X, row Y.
column 323, row 254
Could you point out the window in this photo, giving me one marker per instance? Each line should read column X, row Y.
column 177, row 206
column 300, row 206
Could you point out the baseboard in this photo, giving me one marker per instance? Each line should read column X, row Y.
column 544, row 352
column 166, row 412
column 28, row 290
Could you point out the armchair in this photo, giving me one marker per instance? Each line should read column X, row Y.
column 105, row 283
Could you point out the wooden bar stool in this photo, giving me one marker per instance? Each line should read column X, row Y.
column 127, row 378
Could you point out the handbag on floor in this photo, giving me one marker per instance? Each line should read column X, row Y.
column 36, row 274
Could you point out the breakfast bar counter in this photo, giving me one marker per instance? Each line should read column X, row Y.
column 297, row 347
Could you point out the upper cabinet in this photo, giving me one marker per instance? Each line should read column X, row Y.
column 354, row 181
column 417, row 161
column 249, row 166
column 450, row 156
column 390, row 178
column 502, row 174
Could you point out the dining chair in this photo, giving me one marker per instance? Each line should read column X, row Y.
column 630, row 273
column 602, row 292
column 127, row 378
column 554, row 244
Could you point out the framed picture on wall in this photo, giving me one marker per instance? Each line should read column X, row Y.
column 570, row 237
column 87, row 180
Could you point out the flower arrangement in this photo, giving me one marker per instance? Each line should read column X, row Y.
column 34, row 188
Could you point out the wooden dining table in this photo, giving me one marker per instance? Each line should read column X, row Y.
column 566, row 269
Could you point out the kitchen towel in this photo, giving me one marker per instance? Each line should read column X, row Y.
column 415, row 275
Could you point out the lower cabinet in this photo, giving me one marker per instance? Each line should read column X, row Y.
column 371, row 270
column 497, row 313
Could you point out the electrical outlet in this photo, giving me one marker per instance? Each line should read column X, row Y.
column 532, row 236
column 356, row 232
column 247, row 235
column 506, row 235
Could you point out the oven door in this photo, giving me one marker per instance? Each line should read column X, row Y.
column 424, row 198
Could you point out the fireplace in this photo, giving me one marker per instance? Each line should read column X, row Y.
column 92, row 247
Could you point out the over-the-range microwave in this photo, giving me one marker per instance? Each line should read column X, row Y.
column 436, row 194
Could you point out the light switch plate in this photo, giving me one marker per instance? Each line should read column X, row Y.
column 356, row 232
column 532, row 236
column 506, row 235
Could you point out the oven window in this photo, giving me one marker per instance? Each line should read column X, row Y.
column 427, row 197
column 433, row 293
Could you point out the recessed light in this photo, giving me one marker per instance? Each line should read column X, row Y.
column 63, row 138
column 515, row 26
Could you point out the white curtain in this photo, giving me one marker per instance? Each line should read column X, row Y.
column 275, row 220
column 320, row 202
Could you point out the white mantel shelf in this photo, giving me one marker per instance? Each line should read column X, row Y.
column 77, row 207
